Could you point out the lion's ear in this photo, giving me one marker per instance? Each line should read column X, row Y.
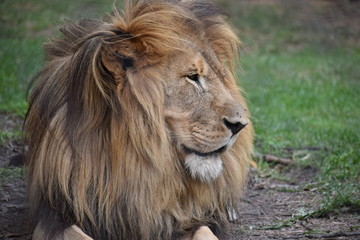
column 117, row 58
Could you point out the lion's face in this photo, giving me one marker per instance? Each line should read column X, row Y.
column 203, row 116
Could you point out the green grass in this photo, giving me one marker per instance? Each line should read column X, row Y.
column 6, row 136
column 303, row 86
column 10, row 173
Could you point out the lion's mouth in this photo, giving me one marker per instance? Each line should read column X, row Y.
column 207, row 154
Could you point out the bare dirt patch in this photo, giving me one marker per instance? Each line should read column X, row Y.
column 10, row 126
column 13, row 210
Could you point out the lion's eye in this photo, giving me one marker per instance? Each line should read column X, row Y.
column 193, row 77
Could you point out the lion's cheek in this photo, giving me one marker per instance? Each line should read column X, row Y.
column 206, row 169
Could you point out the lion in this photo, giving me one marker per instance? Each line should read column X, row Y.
column 136, row 127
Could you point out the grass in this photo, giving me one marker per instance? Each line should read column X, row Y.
column 10, row 173
column 302, row 82
column 9, row 135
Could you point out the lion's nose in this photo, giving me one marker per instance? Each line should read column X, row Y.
column 235, row 125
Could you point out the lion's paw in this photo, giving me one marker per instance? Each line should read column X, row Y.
column 204, row 233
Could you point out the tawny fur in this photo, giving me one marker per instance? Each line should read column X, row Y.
column 104, row 135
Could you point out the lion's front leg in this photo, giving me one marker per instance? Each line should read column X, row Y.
column 203, row 233
column 71, row 233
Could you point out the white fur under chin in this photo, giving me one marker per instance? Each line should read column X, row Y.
column 205, row 169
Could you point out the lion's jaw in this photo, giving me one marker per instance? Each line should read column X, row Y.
column 206, row 169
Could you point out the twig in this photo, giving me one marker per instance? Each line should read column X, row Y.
column 309, row 148
column 337, row 234
column 304, row 226
column 275, row 159
column 13, row 235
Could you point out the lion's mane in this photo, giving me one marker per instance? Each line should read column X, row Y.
column 102, row 158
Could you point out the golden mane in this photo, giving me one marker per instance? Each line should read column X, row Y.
column 100, row 155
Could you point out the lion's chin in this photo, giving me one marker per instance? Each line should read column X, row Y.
column 204, row 168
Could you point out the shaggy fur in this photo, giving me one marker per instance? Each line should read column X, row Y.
column 101, row 153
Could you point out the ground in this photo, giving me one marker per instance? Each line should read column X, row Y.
column 269, row 209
